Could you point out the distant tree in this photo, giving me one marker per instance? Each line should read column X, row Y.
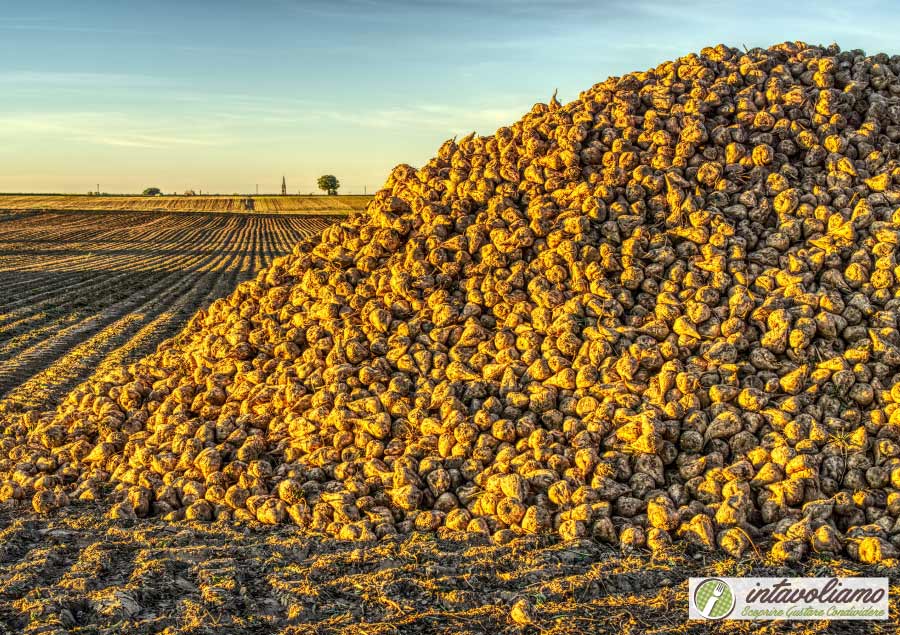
column 329, row 184
column 152, row 191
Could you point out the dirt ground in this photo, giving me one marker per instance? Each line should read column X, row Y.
column 84, row 292
column 80, row 573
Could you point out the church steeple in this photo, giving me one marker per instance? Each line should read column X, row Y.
column 283, row 187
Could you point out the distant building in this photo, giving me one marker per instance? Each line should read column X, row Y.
column 283, row 187
column 190, row 193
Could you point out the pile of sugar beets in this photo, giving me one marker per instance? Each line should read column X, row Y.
column 666, row 311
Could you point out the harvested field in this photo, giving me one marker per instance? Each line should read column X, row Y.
column 261, row 204
column 82, row 292
column 78, row 572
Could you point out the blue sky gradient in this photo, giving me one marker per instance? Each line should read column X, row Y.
column 224, row 95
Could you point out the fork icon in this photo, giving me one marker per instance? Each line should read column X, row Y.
column 711, row 602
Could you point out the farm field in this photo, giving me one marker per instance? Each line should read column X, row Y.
column 79, row 572
column 80, row 292
column 314, row 205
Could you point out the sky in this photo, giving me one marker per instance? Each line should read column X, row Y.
column 225, row 95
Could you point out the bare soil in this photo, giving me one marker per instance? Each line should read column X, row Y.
column 80, row 573
column 86, row 291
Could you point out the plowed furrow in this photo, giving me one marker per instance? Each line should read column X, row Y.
column 82, row 293
column 42, row 353
column 15, row 284
column 103, row 287
column 116, row 271
column 62, row 375
column 166, row 323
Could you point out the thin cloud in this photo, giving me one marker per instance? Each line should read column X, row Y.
column 429, row 116
column 27, row 23
column 381, row 10
column 295, row 114
column 66, row 78
column 57, row 28
column 109, row 129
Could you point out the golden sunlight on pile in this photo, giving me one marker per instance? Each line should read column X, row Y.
column 665, row 311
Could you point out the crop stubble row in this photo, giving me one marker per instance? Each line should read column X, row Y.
column 82, row 291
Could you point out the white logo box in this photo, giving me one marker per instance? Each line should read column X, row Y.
column 719, row 598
